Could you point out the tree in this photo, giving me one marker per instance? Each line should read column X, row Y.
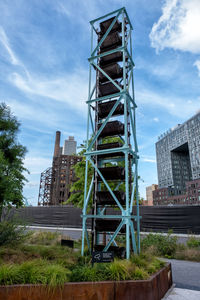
column 12, row 167
column 77, row 189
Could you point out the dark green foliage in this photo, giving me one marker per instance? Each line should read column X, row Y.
column 77, row 189
column 138, row 267
column 167, row 246
column 193, row 242
column 89, row 273
column 11, row 233
column 11, row 161
column 163, row 245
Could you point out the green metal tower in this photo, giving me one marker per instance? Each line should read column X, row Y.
column 111, row 147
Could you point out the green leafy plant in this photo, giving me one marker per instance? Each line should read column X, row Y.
column 163, row 245
column 89, row 273
column 193, row 242
column 12, row 155
column 12, row 233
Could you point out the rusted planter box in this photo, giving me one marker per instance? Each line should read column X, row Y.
column 152, row 289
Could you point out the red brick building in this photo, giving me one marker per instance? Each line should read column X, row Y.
column 167, row 196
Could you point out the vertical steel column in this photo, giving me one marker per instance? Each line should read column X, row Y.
column 86, row 162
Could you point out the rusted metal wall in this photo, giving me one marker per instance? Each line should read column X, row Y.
column 153, row 289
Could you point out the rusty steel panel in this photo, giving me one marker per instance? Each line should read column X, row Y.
column 153, row 289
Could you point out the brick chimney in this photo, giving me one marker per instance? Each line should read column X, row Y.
column 57, row 144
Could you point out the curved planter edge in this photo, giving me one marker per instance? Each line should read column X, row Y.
column 152, row 289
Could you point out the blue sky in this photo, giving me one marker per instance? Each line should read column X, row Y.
column 44, row 46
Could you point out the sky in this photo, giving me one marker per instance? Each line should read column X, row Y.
column 44, row 46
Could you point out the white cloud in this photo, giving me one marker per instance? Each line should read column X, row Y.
column 178, row 26
column 4, row 40
column 175, row 106
column 63, row 9
column 32, row 184
column 70, row 88
column 82, row 15
column 150, row 159
column 36, row 165
column 156, row 119
column 29, row 111
column 12, row 57
column 197, row 64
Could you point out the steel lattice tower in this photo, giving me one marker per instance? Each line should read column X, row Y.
column 111, row 134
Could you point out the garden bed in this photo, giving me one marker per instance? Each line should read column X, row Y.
column 37, row 266
column 152, row 289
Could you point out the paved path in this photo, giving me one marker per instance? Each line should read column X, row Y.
column 186, row 274
column 182, row 294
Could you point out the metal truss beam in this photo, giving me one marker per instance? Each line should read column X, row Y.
column 95, row 127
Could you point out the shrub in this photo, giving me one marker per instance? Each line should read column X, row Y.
column 163, row 245
column 11, row 233
column 117, row 270
column 193, row 242
column 88, row 273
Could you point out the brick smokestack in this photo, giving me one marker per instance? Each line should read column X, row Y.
column 57, row 144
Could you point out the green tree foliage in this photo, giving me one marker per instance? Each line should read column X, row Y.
column 77, row 189
column 12, row 154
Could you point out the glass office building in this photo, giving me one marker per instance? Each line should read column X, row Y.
column 178, row 158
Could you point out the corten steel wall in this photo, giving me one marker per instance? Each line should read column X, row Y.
column 182, row 219
column 153, row 289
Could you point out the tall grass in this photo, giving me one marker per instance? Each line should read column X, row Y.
column 44, row 238
column 41, row 259
column 33, row 272
column 134, row 269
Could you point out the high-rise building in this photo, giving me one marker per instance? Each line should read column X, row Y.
column 149, row 194
column 55, row 182
column 69, row 146
column 178, row 163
